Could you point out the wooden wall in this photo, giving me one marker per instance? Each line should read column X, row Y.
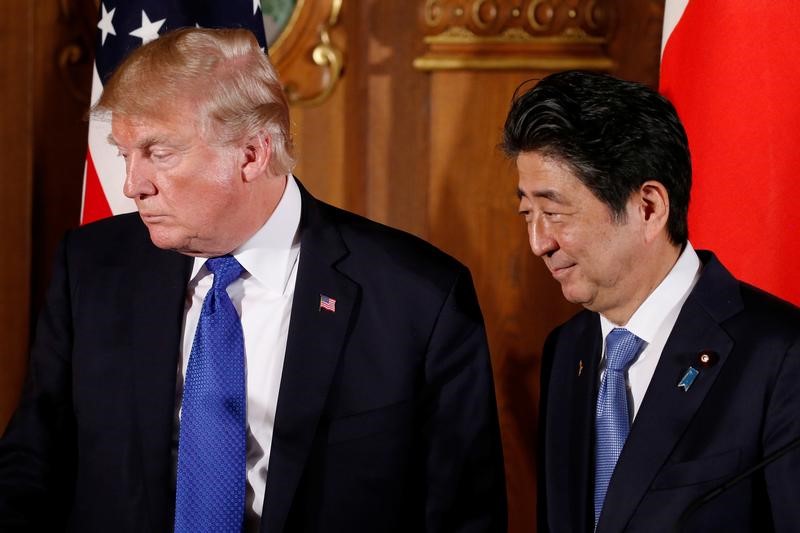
column 16, row 169
column 45, row 79
column 408, row 137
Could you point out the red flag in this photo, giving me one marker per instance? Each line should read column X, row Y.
column 123, row 25
column 732, row 69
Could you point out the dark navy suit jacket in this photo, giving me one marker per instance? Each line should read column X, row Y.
column 386, row 417
column 682, row 443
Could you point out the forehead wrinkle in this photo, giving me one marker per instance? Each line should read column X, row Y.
column 149, row 140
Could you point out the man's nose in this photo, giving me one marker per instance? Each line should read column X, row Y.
column 138, row 178
column 541, row 238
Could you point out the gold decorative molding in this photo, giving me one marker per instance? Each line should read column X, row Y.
column 547, row 64
column 307, row 54
column 327, row 56
column 459, row 35
column 516, row 34
column 290, row 26
column 484, row 12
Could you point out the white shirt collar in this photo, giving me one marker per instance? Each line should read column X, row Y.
column 670, row 293
column 269, row 255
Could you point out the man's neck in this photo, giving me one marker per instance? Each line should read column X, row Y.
column 657, row 264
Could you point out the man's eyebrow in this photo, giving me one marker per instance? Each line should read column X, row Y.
column 144, row 143
column 550, row 194
column 547, row 194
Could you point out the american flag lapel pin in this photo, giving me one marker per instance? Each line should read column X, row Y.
column 327, row 303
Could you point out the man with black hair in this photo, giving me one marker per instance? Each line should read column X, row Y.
column 676, row 376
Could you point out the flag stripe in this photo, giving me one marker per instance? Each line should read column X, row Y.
column 95, row 205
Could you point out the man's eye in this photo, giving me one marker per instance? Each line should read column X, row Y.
column 160, row 156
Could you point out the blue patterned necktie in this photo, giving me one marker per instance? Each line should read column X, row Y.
column 211, row 447
column 612, row 421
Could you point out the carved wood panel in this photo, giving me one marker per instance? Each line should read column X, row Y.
column 517, row 34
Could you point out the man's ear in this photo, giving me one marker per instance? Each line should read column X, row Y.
column 653, row 206
column 257, row 152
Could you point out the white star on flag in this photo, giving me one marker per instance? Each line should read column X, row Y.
column 106, row 25
column 256, row 5
column 149, row 30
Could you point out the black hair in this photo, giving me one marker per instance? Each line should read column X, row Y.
column 612, row 134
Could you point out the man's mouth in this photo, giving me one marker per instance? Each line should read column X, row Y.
column 561, row 272
column 151, row 218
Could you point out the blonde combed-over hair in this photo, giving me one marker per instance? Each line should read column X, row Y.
column 223, row 73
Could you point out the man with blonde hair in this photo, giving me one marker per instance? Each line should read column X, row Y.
column 238, row 356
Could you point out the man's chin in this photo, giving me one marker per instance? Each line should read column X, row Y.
column 164, row 240
column 575, row 295
column 182, row 246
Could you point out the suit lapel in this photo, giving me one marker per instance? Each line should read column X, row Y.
column 581, row 456
column 153, row 335
column 315, row 340
column 666, row 410
column 570, row 423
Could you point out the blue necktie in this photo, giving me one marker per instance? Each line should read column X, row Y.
column 211, row 446
column 612, row 421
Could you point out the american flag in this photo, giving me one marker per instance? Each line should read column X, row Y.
column 123, row 25
column 327, row 303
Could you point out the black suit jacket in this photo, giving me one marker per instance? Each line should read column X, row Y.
column 682, row 443
column 386, row 417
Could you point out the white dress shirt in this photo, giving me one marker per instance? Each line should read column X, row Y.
column 263, row 298
column 653, row 322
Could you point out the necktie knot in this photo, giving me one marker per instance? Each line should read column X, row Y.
column 226, row 269
column 621, row 347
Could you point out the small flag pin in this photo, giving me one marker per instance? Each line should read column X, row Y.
column 327, row 303
column 688, row 378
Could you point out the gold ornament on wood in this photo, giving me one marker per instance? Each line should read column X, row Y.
column 308, row 35
column 516, row 34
